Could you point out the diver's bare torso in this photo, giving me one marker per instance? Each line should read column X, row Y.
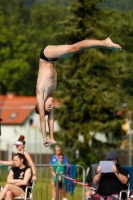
column 47, row 77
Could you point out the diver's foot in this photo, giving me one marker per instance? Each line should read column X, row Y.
column 52, row 142
column 46, row 143
column 110, row 45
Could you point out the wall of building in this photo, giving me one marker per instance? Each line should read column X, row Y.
column 33, row 137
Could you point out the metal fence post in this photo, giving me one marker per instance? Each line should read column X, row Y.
column 57, row 185
column 83, row 174
column 42, row 180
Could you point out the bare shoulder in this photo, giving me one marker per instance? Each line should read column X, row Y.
column 26, row 154
column 28, row 171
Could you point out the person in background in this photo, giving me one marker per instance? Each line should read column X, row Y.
column 60, row 169
column 89, row 179
column 90, row 175
column 19, row 177
column 53, row 160
column 110, row 184
column 20, row 145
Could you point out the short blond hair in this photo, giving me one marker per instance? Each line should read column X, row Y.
column 57, row 147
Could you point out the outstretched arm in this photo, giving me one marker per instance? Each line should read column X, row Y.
column 40, row 104
column 51, row 125
column 8, row 163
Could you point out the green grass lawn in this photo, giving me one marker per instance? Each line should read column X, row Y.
column 42, row 191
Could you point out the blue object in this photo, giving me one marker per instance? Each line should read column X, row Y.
column 130, row 169
column 111, row 156
column 70, row 171
column 54, row 159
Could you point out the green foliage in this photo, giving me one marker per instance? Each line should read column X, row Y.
column 124, row 30
column 123, row 5
column 91, row 84
column 24, row 31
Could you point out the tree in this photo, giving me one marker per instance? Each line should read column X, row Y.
column 13, row 19
column 121, row 5
column 89, row 84
column 24, row 31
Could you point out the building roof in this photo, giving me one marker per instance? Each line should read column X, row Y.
column 16, row 109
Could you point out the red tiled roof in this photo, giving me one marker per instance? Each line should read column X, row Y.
column 16, row 109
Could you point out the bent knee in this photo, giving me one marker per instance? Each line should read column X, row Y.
column 8, row 186
column 88, row 193
column 75, row 48
column 9, row 194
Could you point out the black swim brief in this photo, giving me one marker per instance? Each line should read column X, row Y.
column 43, row 57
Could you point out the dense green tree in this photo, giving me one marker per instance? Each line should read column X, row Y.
column 124, row 30
column 92, row 86
column 13, row 60
column 24, row 31
column 123, row 5
column 90, row 83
